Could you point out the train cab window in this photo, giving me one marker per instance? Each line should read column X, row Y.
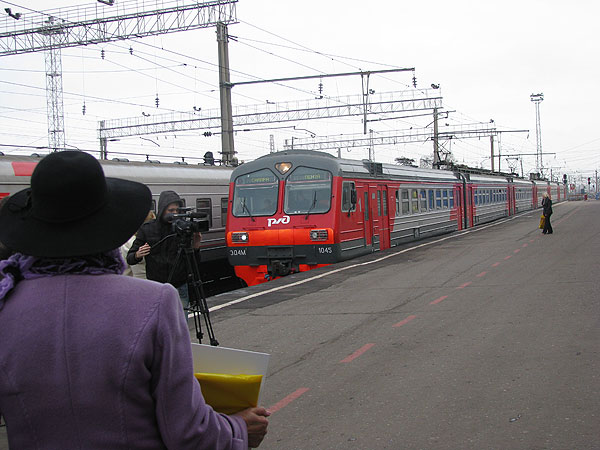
column 405, row 205
column 224, row 204
column 423, row 200
column 414, row 201
column 255, row 194
column 431, row 199
column 203, row 205
column 307, row 190
column 347, row 188
column 438, row 199
column 445, row 198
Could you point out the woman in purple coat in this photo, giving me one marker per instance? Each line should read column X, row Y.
column 90, row 359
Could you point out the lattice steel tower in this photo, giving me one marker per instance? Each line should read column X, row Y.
column 537, row 99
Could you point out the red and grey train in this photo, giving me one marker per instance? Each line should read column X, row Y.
column 293, row 211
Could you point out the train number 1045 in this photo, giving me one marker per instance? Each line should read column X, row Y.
column 323, row 250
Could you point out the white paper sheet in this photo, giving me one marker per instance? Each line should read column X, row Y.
column 211, row 359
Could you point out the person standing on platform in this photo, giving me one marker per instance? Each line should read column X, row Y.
column 157, row 244
column 547, row 211
column 91, row 359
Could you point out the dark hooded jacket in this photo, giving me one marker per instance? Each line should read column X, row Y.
column 547, row 205
column 163, row 245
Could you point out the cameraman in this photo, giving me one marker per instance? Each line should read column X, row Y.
column 158, row 244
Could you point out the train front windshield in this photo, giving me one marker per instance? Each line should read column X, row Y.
column 256, row 194
column 307, row 190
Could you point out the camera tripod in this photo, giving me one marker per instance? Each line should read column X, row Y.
column 197, row 306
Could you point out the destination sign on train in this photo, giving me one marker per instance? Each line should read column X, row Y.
column 313, row 176
column 257, row 179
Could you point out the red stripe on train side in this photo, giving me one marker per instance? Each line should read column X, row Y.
column 23, row 169
column 3, row 194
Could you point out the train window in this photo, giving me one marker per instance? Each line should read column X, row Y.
column 423, row 200
column 307, row 190
column 384, row 200
column 398, row 203
column 256, row 194
column 366, row 206
column 451, row 198
column 347, row 188
column 445, row 198
column 203, row 205
column 438, row 199
column 154, row 206
column 414, row 201
column 405, row 205
column 431, row 200
column 224, row 204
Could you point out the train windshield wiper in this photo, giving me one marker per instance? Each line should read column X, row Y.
column 244, row 207
column 314, row 203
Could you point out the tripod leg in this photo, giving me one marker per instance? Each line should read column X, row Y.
column 197, row 298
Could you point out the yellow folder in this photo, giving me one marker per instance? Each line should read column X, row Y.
column 230, row 379
column 229, row 394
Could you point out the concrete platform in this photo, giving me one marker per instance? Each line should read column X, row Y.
column 484, row 339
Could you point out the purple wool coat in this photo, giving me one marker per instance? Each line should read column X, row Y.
column 103, row 362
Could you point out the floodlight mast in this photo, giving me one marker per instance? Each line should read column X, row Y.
column 537, row 99
column 83, row 25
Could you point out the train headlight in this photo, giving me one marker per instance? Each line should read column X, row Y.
column 318, row 235
column 239, row 238
column 283, row 167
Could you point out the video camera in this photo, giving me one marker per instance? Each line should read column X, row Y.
column 187, row 221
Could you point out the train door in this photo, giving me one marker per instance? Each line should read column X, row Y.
column 368, row 227
column 375, row 210
column 470, row 207
column 384, row 229
column 510, row 192
column 459, row 205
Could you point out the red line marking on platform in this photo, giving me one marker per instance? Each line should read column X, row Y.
column 408, row 319
column 481, row 274
column 357, row 353
column 507, row 257
column 496, row 264
column 525, row 244
column 436, row 301
column 464, row 285
column 517, row 250
column 287, row 400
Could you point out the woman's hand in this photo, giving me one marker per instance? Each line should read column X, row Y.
column 257, row 423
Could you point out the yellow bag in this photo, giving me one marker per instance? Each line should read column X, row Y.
column 229, row 394
column 542, row 222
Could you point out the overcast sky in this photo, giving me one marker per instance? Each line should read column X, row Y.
column 488, row 57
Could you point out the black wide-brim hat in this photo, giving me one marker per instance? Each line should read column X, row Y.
column 72, row 209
